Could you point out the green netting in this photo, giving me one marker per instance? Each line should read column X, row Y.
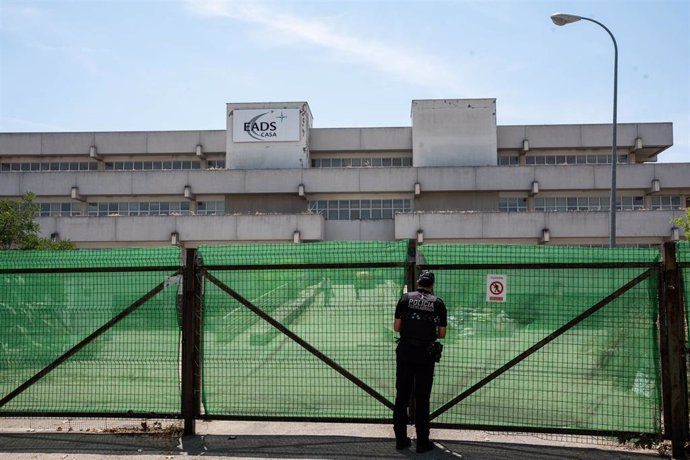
column 251, row 369
column 683, row 251
column 513, row 254
column 312, row 253
column 683, row 258
column 603, row 374
column 129, row 257
column 134, row 366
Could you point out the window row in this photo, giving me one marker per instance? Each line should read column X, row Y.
column 572, row 159
column 513, row 160
column 665, row 202
column 512, row 204
column 361, row 162
column 359, row 209
column 352, row 209
column 588, row 203
column 140, row 208
column 216, row 164
column 52, row 166
column 150, row 165
column 109, row 166
column 58, row 209
column 210, row 208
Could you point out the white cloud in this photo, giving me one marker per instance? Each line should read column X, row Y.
column 398, row 61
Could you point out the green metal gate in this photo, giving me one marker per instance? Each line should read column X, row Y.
column 91, row 333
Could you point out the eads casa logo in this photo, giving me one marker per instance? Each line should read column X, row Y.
column 264, row 125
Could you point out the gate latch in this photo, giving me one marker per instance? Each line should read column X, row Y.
column 175, row 279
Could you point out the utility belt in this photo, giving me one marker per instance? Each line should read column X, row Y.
column 415, row 342
column 432, row 347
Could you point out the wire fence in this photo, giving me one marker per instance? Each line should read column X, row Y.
column 253, row 369
column 599, row 373
column 540, row 339
column 89, row 332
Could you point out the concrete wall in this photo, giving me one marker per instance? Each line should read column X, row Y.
column 584, row 136
column 111, row 143
column 454, row 132
column 456, row 201
column 273, row 204
column 655, row 137
column 529, row 225
column 359, row 230
column 360, row 139
column 144, row 230
column 331, row 181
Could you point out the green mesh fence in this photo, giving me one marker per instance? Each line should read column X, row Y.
column 600, row 375
column 683, row 259
column 251, row 369
column 133, row 366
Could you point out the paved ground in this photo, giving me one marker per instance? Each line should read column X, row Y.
column 256, row 440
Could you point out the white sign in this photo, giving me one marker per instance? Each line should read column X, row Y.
column 496, row 288
column 265, row 125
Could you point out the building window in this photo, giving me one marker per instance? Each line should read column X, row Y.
column 587, row 203
column 508, row 160
column 629, row 203
column 140, row 208
column 58, row 209
column 571, row 159
column 211, row 208
column 362, row 162
column 151, row 165
column 54, row 166
column 216, row 164
column 512, row 204
column 665, row 203
column 359, row 209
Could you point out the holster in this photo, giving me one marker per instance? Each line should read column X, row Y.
column 435, row 349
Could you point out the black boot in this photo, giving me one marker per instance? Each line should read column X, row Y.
column 425, row 446
column 403, row 444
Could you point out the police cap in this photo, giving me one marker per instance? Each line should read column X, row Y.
column 426, row 279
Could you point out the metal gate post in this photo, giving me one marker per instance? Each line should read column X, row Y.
column 411, row 257
column 190, row 343
column 675, row 388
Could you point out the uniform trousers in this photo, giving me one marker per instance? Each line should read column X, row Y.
column 415, row 373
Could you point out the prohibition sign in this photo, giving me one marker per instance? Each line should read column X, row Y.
column 496, row 288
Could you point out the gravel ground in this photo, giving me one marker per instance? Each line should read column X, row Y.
column 107, row 440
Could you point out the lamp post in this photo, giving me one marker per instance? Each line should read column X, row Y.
column 561, row 19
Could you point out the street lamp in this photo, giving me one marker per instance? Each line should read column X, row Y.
column 561, row 19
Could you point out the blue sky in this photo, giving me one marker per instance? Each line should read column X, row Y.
column 141, row 65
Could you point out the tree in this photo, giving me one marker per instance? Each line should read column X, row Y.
column 683, row 222
column 19, row 229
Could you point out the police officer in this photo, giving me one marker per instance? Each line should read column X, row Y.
column 420, row 318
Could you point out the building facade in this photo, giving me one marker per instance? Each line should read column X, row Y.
column 453, row 175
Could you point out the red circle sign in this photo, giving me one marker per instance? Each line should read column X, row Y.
column 496, row 288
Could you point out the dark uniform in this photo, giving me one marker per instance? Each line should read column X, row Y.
column 421, row 314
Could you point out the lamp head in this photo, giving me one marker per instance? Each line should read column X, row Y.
column 561, row 19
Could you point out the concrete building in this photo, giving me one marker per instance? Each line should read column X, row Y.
column 453, row 175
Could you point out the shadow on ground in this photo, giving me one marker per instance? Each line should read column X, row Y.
column 289, row 447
